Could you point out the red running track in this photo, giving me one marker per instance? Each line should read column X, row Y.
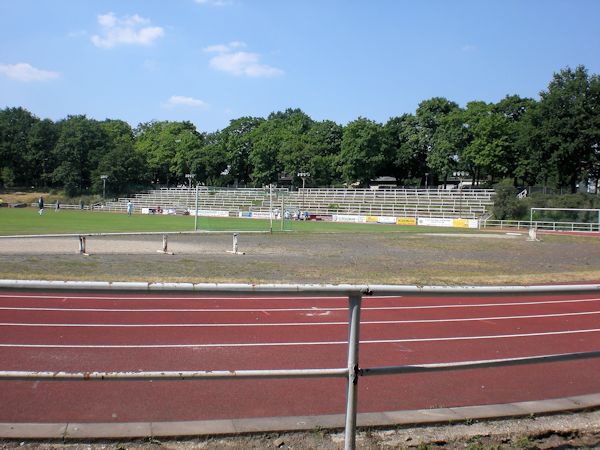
column 137, row 332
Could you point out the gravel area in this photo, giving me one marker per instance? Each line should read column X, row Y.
column 398, row 258
column 395, row 258
column 560, row 431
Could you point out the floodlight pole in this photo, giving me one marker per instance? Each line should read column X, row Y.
column 271, row 207
column 460, row 176
column 304, row 176
column 190, row 177
column 103, row 178
column 196, row 212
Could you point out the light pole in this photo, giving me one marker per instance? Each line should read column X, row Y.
column 190, row 177
column 103, row 178
column 196, row 215
column 304, row 176
column 460, row 176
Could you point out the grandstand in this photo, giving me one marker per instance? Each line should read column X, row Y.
column 439, row 203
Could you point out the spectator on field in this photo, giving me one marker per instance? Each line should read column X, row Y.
column 81, row 204
column 57, row 206
column 129, row 207
column 41, row 205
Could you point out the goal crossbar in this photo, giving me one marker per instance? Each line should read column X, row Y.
column 563, row 209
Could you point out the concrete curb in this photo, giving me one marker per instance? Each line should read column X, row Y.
column 299, row 423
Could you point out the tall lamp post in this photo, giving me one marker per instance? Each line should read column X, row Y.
column 304, row 176
column 460, row 176
column 103, row 178
column 190, row 177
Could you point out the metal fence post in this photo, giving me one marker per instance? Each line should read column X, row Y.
column 354, row 301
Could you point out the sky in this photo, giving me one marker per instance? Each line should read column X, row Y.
column 211, row 61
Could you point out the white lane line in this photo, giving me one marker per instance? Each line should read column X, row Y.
column 292, row 344
column 287, row 324
column 311, row 309
column 97, row 297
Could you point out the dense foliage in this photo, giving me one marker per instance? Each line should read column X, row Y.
column 553, row 141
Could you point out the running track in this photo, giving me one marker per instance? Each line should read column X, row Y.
column 136, row 332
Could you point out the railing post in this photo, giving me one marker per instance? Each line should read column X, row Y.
column 352, row 385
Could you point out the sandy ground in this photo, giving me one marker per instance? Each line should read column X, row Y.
column 560, row 431
column 398, row 258
column 394, row 258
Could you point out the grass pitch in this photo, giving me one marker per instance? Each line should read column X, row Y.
column 27, row 221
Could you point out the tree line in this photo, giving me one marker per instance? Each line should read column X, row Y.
column 552, row 141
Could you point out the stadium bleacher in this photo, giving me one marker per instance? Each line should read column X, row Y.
column 441, row 203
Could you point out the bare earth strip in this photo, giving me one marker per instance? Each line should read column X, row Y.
column 395, row 258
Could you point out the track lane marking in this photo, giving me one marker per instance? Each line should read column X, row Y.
column 311, row 309
column 97, row 297
column 295, row 344
column 288, row 324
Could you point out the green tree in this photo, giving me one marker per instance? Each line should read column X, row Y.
column 79, row 147
column 237, row 141
column 361, row 154
column 450, row 140
column 568, row 113
column 431, row 116
column 520, row 112
column 15, row 126
column 125, row 168
column 489, row 151
column 209, row 162
column 280, row 145
column 43, row 136
column 323, row 143
column 167, row 148
column 404, row 156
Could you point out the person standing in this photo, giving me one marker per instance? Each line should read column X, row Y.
column 41, row 205
column 129, row 207
column 57, row 206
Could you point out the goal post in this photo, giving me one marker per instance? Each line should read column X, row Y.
column 575, row 211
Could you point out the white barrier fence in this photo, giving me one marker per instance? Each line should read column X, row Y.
column 351, row 372
column 542, row 225
column 82, row 237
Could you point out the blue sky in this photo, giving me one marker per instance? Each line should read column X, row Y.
column 210, row 61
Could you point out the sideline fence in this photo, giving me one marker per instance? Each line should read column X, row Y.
column 82, row 237
column 352, row 372
column 542, row 225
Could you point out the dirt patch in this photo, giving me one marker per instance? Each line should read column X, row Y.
column 22, row 197
column 394, row 258
column 564, row 431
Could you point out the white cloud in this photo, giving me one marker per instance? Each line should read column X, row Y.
column 239, row 63
column 180, row 100
column 26, row 72
column 215, row 2
column 125, row 30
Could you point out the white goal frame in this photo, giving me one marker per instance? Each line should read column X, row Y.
column 563, row 209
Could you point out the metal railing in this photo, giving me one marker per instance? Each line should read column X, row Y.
column 352, row 372
column 82, row 237
column 542, row 225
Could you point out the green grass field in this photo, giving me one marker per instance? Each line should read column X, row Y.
column 27, row 221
